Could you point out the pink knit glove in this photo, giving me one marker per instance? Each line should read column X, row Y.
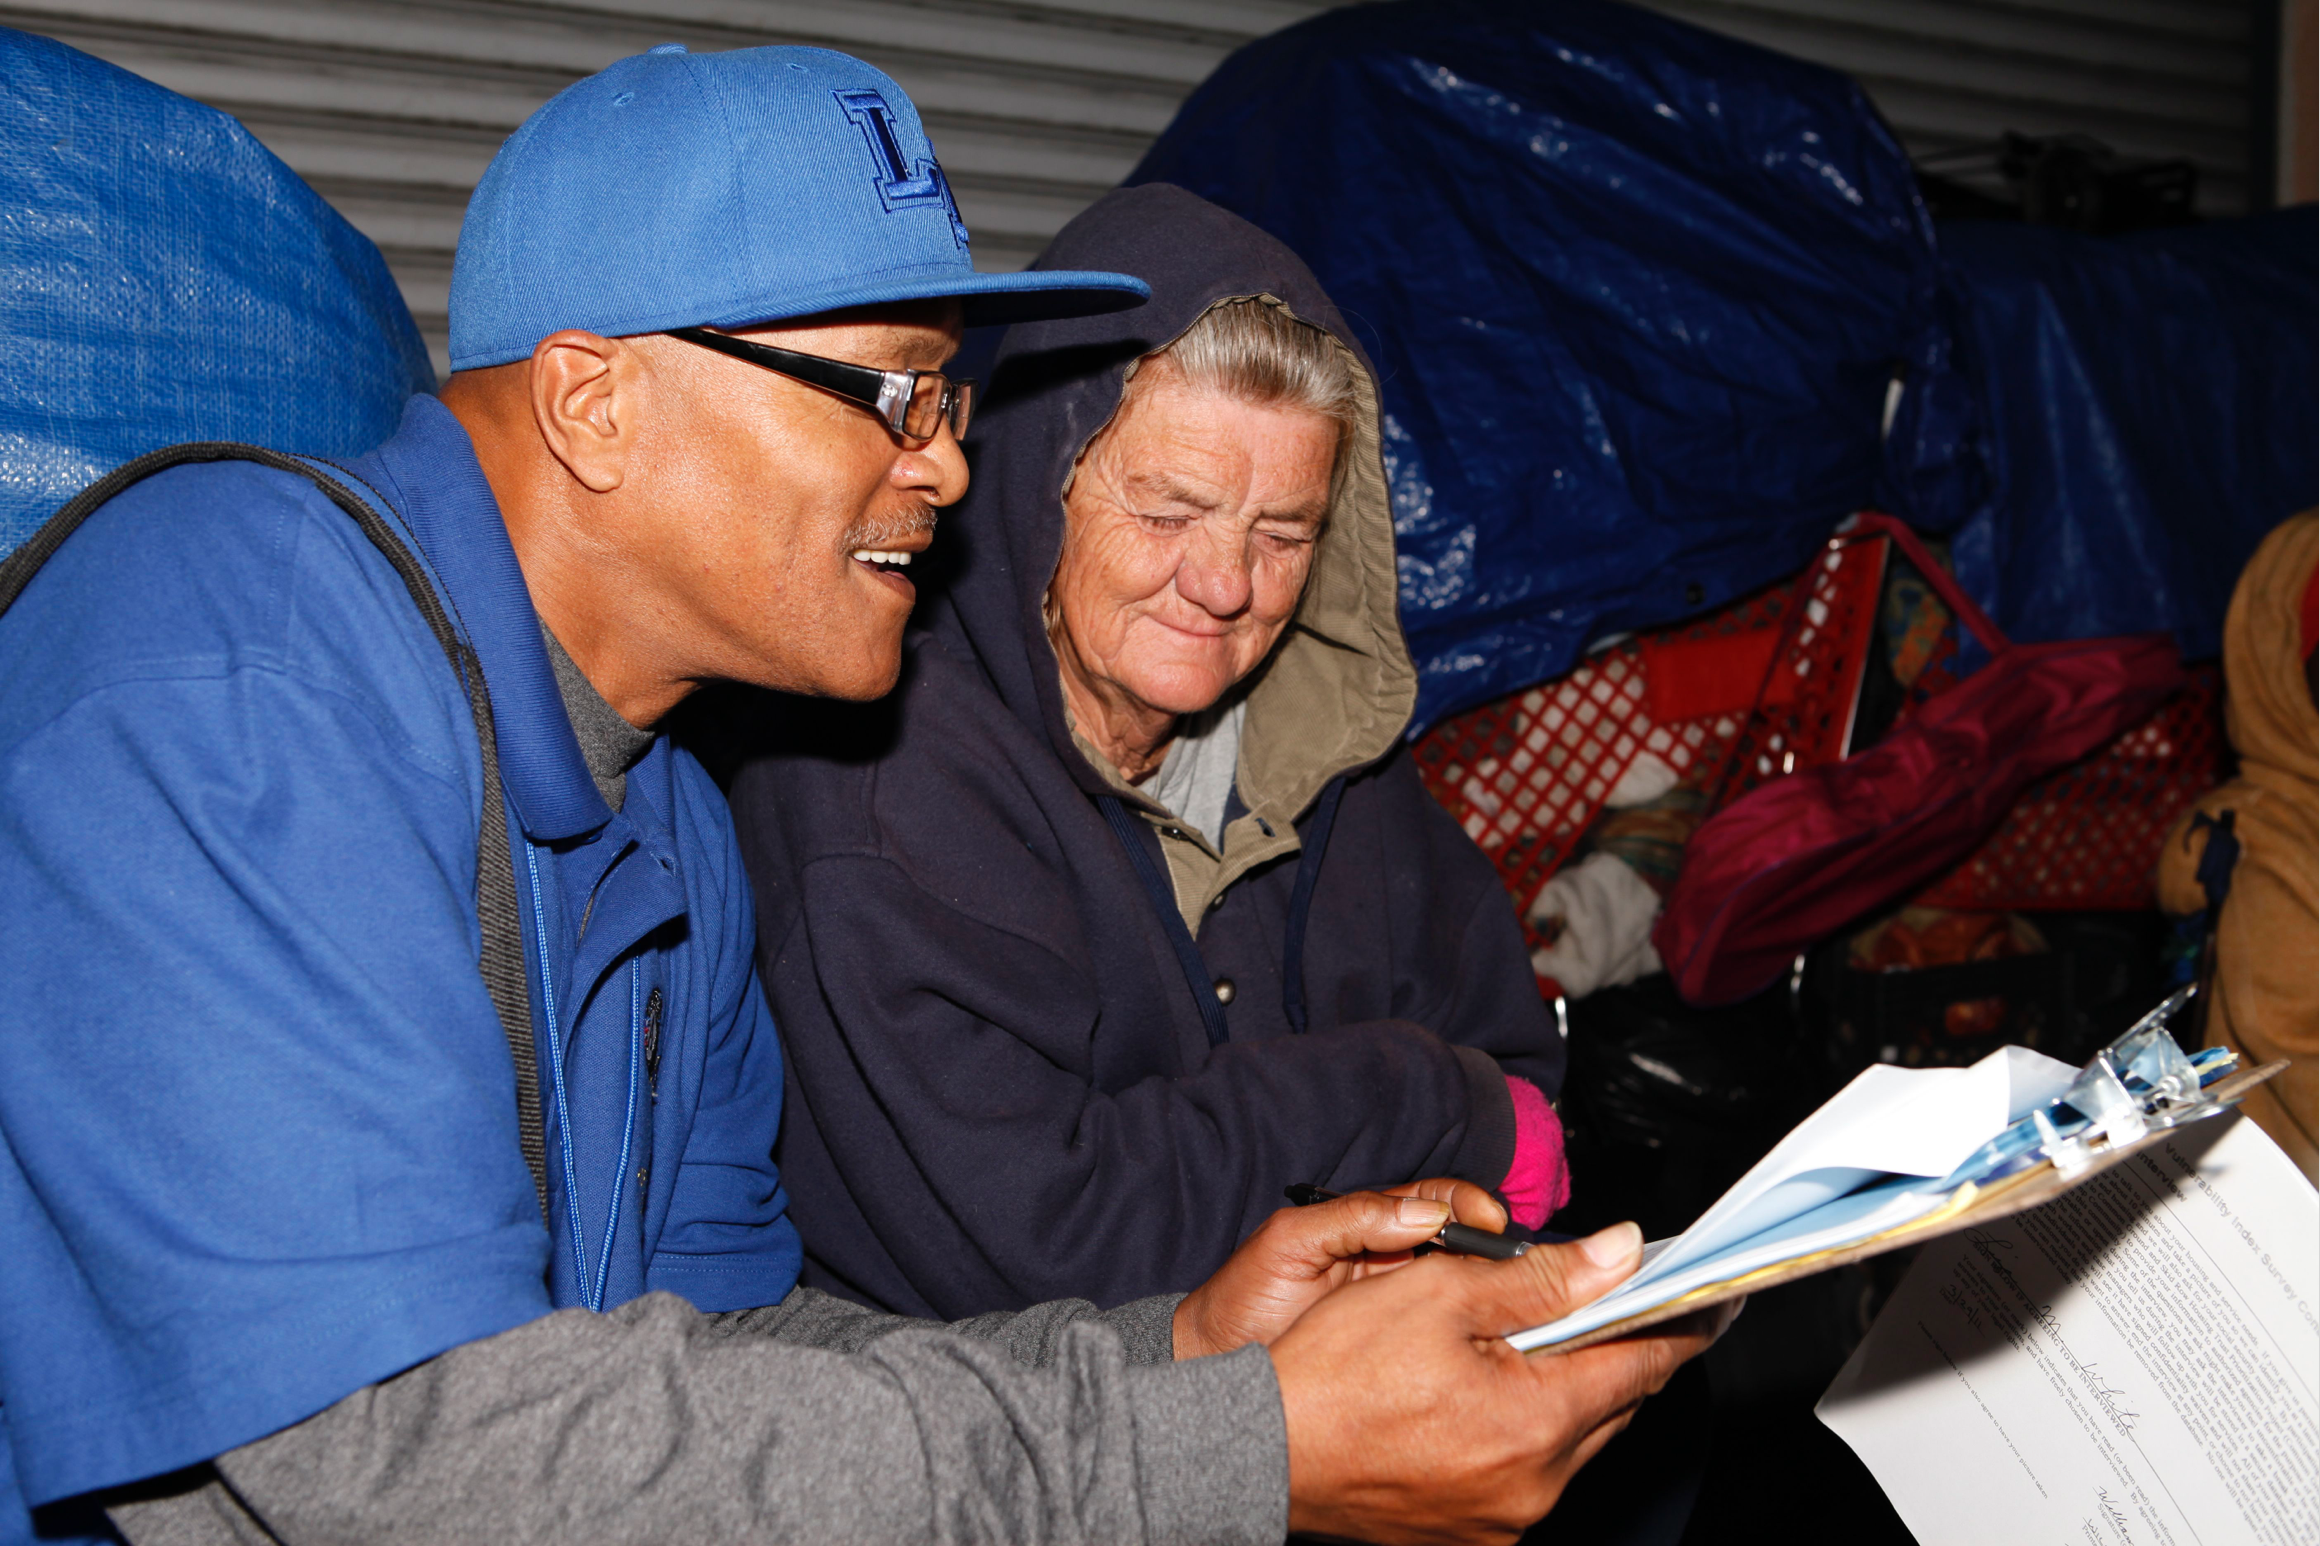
column 1538, row 1182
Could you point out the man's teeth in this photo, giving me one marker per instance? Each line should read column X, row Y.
column 873, row 556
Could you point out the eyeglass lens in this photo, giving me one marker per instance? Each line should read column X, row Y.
column 930, row 398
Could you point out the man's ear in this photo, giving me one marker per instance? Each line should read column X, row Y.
column 584, row 400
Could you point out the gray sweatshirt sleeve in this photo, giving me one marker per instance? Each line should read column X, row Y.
column 811, row 1318
column 812, row 1420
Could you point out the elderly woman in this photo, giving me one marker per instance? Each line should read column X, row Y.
column 1126, row 910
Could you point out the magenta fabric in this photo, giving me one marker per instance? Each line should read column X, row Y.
column 1539, row 1180
column 1794, row 861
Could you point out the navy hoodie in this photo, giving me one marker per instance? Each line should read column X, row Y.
column 1003, row 1084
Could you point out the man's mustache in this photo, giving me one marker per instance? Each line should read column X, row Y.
column 885, row 530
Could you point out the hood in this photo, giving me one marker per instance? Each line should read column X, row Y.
column 1337, row 691
column 2268, row 699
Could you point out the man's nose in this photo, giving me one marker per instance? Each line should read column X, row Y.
column 1214, row 573
column 937, row 470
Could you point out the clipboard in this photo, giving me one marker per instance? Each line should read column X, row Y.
column 1969, row 1205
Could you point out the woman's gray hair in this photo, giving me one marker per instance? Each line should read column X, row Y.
column 1254, row 350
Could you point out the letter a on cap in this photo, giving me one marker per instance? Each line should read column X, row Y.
column 901, row 184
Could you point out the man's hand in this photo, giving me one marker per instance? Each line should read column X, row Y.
column 1300, row 1254
column 1410, row 1421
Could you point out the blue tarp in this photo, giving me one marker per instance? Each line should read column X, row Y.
column 164, row 278
column 2142, row 410
column 1638, row 293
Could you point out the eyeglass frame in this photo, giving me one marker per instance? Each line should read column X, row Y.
column 886, row 393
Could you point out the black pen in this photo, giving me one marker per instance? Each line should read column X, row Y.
column 1465, row 1239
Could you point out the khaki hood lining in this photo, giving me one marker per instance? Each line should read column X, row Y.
column 1338, row 689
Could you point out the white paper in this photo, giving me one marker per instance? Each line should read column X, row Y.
column 1913, row 1122
column 2134, row 1364
column 1888, row 1121
column 1826, row 1228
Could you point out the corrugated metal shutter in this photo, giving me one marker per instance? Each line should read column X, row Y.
column 2148, row 77
column 392, row 108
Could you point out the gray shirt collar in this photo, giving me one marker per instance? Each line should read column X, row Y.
column 609, row 744
column 1195, row 780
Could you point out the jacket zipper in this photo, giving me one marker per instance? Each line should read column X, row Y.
column 652, row 1089
column 652, row 1044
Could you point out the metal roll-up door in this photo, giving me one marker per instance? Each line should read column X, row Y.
column 2157, row 78
column 392, row 108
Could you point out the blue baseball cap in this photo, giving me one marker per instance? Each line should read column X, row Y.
column 724, row 190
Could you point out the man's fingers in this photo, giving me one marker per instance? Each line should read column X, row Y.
column 1318, row 1237
column 1617, row 1376
column 1358, row 1224
column 1592, row 1445
column 1549, row 1281
column 1703, row 1326
column 1469, row 1204
column 1602, row 1386
column 1469, row 1439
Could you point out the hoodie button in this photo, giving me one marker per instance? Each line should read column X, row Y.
column 1224, row 990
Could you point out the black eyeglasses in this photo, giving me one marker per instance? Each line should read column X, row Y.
column 914, row 403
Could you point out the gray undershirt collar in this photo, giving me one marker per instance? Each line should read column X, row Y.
column 1195, row 779
column 609, row 744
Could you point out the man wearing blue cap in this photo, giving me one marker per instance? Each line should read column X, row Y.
column 271, row 1250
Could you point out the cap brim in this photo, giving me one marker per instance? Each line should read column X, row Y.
column 1045, row 296
column 1033, row 295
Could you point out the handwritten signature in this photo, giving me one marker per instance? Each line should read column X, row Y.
column 1955, row 1298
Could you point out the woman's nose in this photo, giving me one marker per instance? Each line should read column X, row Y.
column 1214, row 575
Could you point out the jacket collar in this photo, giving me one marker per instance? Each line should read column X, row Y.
column 428, row 471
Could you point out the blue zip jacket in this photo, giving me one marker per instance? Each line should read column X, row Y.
column 1017, row 1076
column 259, row 1117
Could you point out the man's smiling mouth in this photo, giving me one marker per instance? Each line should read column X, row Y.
column 886, row 544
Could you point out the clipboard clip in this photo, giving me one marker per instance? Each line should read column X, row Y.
column 2140, row 1083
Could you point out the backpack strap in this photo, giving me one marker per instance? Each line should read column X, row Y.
column 502, row 957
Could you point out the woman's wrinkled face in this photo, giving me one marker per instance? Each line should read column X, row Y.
column 1188, row 533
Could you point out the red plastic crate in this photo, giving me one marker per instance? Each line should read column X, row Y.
column 1803, row 717
column 1527, row 774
